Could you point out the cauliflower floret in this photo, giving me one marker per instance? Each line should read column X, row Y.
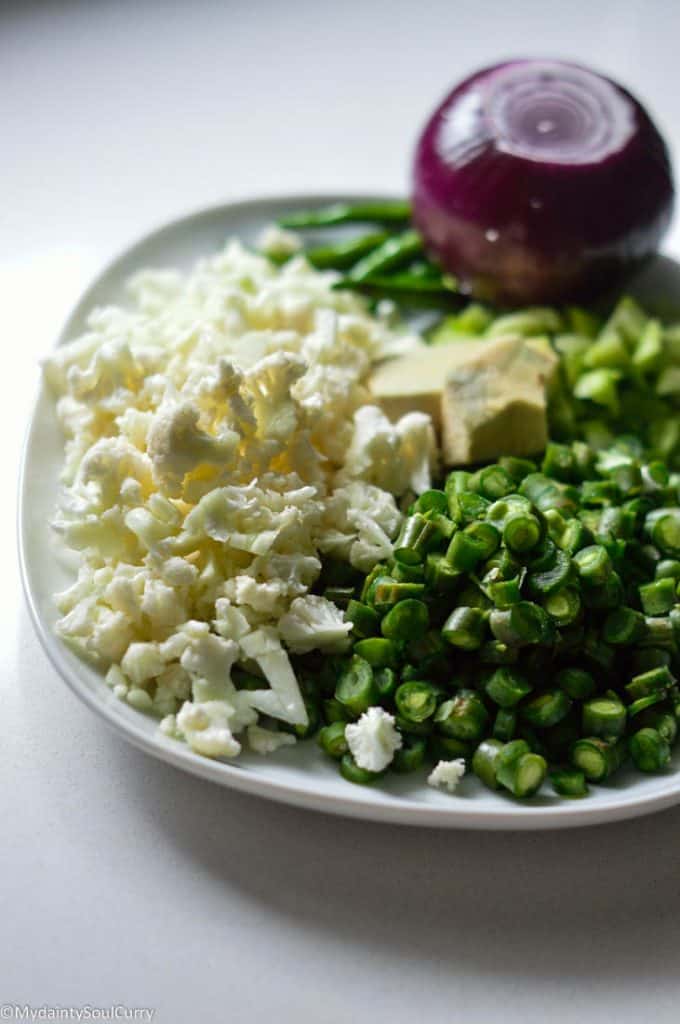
column 107, row 464
column 360, row 523
column 396, row 457
column 230, row 622
column 264, row 741
column 177, row 447
column 284, row 700
column 373, row 740
column 111, row 368
column 268, row 597
column 447, row 774
column 269, row 385
column 417, row 450
column 205, row 727
column 142, row 661
column 276, row 241
column 225, row 391
column 314, row 624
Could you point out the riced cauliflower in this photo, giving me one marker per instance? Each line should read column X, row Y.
column 374, row 739
column 219, row 443
column 447, row 774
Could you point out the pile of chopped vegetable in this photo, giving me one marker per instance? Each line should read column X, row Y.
column 527, row 622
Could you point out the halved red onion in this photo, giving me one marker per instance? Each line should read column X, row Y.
column 541, row 181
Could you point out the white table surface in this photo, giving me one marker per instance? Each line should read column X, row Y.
column 122, row 880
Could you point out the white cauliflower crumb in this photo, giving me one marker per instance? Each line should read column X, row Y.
column 276, row 241
column 218, row 443
column 374, row 739
column 314, row 624
column 265, row 741
column 447, row 774
column 206, row 729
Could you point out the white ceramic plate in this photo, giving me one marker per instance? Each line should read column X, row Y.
column 299, row 775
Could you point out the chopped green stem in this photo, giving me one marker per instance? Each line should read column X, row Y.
column 378, row 212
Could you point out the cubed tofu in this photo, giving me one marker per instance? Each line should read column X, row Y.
column 486, row 397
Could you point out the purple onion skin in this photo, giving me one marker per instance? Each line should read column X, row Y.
column 557, row 198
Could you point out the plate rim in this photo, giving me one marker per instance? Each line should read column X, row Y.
column 514, row 817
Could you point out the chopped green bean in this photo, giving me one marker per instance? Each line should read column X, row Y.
column 604, row 717
column 506, row 687
column 332, row 740
column 356, row 689
column 465, row 628
column 649, row 750
column 597, row 758
column 416, row 701
column 569, row 782
column 484, row 762
column 378, row 212
column 464, row 717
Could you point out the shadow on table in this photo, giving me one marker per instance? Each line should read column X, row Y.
column 599, row 902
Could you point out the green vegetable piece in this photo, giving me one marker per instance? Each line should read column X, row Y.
column 447, row 748
column 464, row 717
column 464, row 552
column 356, row 689
column 601, row 387
column 504, row 593
column 506, row 687
column 522, row 623
column 553, row 579
column 440, row 576
column 576, row 683
column 410, row 757
column 597, row 758
column 658, row 597
column 432, row 501
column 654, row 680
column 520, row 771
column 593, row 565
column 522, row 533
column 564, row 606
column 379, row 212
column 333, row 711
column 493, row 482
column 644, row 703
column 665, row 723
column 351, row 771
column 649, row 750
column 465, row 628
column 466, row 506
column 569, row 783
column 332, row 740
column 365, row 620
column 393, row 253
column 386, row 682
column 601, row 716
column 663, row 528
column 387, row 593
column 493, row 652
column 530, row 322
column 379, row 652
column 547, row 709
column 416, row 701
column 623, row 626
column 484, row 762
column 505, row 725
column 517, row 468
column 668, row 568
column 485, row 536
column 408, row 620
